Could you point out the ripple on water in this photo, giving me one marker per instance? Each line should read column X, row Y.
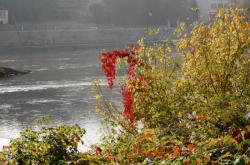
column 41, row 69
column 42, row 101
column 74, row 66
column 64, row 59
column 26, row 88
column 5, row 61
column 5, row 106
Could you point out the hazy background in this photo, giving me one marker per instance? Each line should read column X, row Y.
column 115, row 12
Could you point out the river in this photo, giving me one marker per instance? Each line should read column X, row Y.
column 59, row 86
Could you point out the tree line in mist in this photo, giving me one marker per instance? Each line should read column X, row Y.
column 117, row 12
column 112, row 12
column 141, row 12
column 29, row 10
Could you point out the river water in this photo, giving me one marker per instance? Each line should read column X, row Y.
column 59, row 86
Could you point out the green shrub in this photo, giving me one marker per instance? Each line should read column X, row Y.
column 188, row 111
column 45, row 146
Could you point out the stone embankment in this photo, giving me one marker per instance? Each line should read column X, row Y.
column 70, row 37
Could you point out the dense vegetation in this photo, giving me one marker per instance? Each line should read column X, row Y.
column 188, row 110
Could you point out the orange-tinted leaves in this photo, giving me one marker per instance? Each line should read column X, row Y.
column 191, row 148
column 177, row 152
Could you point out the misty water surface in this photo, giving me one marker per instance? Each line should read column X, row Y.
column 59, row 85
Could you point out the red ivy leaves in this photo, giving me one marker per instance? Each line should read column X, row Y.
column 177, row 152
column 191, row 148
column 109, row 61
column 129, row 110
column 96, row 149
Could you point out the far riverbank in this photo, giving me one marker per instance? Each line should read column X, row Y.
column 78, row 37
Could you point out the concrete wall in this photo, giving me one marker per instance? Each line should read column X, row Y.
column 77, row 37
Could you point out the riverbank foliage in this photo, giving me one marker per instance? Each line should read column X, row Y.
column 44, row 146
column 177, row 110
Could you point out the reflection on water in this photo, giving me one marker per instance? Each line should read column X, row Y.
column 59, row 85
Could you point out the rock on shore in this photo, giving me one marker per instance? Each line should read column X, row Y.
column 9, row 72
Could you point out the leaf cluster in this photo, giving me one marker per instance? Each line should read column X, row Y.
column 195, row 106
column 45, row 146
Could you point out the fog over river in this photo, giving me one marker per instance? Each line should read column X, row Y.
column 59, row 85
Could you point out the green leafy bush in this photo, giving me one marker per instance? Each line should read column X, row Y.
column 45, row 146
column 183, row 111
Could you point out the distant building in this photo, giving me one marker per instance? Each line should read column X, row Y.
column 209, row 7
column 4, row 17
column 72, row 9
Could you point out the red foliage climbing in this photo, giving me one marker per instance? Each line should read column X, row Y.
column 109, row 60
column 129, row 110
